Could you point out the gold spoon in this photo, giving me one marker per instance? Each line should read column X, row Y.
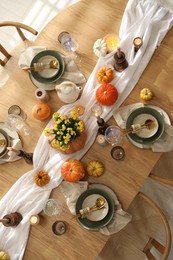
column 99, row 204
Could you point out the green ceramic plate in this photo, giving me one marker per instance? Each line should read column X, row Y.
column 49, row 53
column 149, row 111
column 95, row 225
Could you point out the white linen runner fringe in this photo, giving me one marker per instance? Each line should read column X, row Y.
column 146, row 19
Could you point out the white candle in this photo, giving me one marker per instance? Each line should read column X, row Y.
column 101, row 140
column 34, row 219
column 42, row 95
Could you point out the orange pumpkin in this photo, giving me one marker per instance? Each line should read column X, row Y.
column 41, row 111
column 41, row 178
column 106, row 94
column 105, row 74
column 72, row 170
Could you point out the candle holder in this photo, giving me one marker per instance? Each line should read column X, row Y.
column 59, row 227
column 34, row 220
column 120, row 60
column 97, row 111
column 12, row 219
column 42, row 95
column 28, row 157
column 137, row 42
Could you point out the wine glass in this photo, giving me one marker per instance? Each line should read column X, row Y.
column 113, row 135
column 69, row 44
column 17, row 123
column 52, row 207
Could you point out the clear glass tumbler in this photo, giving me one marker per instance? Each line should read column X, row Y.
column 113, row 135
column 52, row 207
column 69, row 45
column 17, row 123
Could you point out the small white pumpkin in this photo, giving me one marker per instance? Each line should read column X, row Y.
column 100, row 48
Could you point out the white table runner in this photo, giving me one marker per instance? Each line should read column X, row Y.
column 146, row 19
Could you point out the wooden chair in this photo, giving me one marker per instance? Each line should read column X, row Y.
column 141, row 238
column 18, row 27
column 163, row 170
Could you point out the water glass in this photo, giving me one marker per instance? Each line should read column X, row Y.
column 69, row 44
column 17, row 123
column 52, row 207
column 113, row 135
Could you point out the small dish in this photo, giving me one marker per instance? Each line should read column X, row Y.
column 95, row 215
column 48, row 73
column 95, row 225
column 146, row 132
column 54, row 55
column 149, row 111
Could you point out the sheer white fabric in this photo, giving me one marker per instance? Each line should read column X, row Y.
column 141, row 18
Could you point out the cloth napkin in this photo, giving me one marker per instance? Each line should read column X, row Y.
column 164, row 144
column 15, row 142
column 71, row 71
column 71, row 193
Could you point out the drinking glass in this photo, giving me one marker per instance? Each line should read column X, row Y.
column 52, row 207
column 113, row 135
column 17, row 123
column 69, row 44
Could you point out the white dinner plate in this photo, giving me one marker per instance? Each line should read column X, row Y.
column 95, row 215
column 146, row 132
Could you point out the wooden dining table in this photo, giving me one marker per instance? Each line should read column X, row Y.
column 88, row 21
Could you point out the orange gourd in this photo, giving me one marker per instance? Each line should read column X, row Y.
column 105, row 74
column 72, row 170
column 41, row 178
column 106, row 94
column 41, row 111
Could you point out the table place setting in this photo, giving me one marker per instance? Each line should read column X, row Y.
column 158, row 138
column 35, row 58
column 144, row 19
column 81, row 196
column 13, row 140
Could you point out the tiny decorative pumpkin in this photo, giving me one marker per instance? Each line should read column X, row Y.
column 105, row 74
column 72, row 170
column 95, row 168
column 41, row 178
column 41, row 111
column 146, row 94
column 106, row 94
column 100, row 48
column 4, row 255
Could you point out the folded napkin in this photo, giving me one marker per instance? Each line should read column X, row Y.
column 164, row 144
column 71, row 71
column 15, row 142
column 71, row 193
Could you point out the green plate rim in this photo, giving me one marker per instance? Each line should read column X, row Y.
column 95, row 225
column 41, row 54
column 153, row 112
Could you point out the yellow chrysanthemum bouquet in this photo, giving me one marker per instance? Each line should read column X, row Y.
column 64, row 130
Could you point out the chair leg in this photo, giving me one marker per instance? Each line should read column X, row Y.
column 6, row 54
column 22, row 36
